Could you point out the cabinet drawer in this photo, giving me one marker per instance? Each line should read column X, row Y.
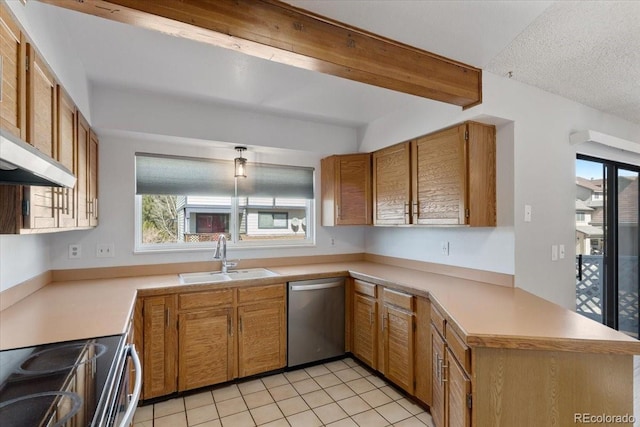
column 398, row 299
column 205, row 299
column 259, row 293
column 364, row 288
column 459, row 349
column 437, row 319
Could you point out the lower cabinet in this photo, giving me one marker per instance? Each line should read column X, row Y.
column 197, row 339
column 159, row 345
column 451, row 389
column 387, row 336
column 205, row 338
column 365, row 323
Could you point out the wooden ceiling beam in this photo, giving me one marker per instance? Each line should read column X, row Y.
column 276, row 31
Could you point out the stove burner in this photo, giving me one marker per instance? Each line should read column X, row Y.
column 58, row 358
column 26, row 406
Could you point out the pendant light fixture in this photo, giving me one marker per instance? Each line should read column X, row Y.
column 240, row 164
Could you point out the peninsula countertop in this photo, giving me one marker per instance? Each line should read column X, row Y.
column 486, row 315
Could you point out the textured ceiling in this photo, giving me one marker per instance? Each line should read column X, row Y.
column 586, row 51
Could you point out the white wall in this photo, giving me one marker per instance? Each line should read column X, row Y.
column 23, row 257
column 533, row 128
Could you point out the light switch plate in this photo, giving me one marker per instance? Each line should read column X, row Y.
column 527, row 213
column 554, row 252
column 444, row 248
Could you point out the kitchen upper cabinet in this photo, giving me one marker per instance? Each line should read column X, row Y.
column 454, row 179
column 92, row 173
column 13, row 85
column 35, row 108
column 346, row 189
column 365, row 323
column 82, row 177
column 205, row 339
column 160, row 339
column 392, row 185
column 67, row 156
column 445, row 178
column 398, row 338
column 39, row 204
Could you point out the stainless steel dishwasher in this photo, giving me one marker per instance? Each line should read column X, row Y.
column 316, row 320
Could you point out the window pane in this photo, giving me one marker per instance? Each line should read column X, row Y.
column 628, row 260
column 188, row 200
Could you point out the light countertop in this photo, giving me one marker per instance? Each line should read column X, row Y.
column 486, row 315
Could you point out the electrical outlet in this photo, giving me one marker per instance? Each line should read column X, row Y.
column 105, row 250
column 444, row 248
column 75, row 251
column 333, row 241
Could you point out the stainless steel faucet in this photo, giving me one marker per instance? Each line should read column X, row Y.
column 221, row 253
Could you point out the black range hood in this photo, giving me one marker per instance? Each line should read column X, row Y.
column 23, row 164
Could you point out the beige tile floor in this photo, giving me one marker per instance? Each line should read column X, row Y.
column 341, row 393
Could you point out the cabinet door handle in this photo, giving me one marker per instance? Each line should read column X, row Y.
column 416, row 210
column 230, row 322
column 384, row 321
column 438, row 369
column 338, row 209
column 444, row 377
column 167, row 316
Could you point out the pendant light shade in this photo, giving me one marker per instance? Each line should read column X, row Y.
column 240, row 164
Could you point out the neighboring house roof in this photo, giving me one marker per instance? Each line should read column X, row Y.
column 594, row 185
column 589, row 230
column 582, row 206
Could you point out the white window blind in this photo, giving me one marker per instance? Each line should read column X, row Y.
column 174, row 175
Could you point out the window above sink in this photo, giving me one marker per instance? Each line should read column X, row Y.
column 187, row 203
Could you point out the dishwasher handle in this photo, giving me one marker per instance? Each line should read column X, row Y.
column 313, row 287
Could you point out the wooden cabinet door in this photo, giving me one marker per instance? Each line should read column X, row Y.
column 346, row 189
column 205, row 348
column 160, row 342
column 438, row 391
column 262, row 337
column 397, row 328
column 459, row 388
column 353, row 193
column 82, row 175
column 93, row 179
column 365, row 330
column 13, row 84
column 481, row 154
column 67, row 151
column 391, row 185
column 42, row 134
column 423, row 353
column 439, row 176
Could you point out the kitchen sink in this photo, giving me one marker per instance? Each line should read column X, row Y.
column 218, row 276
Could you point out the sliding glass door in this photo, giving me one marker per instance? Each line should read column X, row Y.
column 607, row 237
